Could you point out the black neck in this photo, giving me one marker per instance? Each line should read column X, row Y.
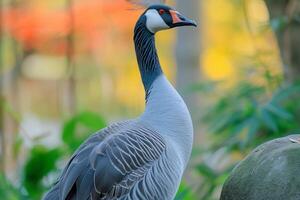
column 146, row 54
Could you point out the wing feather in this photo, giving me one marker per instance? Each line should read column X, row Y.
column 111, row 162
column 127, row 157
column 85, row 185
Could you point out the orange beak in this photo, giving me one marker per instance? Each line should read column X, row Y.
column 180, row 20
column 175, row 17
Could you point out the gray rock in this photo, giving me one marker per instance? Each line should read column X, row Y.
column 270, row 172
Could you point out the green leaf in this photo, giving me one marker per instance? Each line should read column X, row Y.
column 238, row 128
column 184, row 193
column 7, row 190
column 268, row 120
column 285, row 93
column 253, row 127
column 278, row 111
column 206, row 171
column 91, row 120
column 41, row 162
column 78, row 128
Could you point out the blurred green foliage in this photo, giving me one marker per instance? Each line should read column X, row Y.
column 185, row 193
column 43, row 165
column 7, row 190
column 41, row 162
column 248, row 114
column 239, row 120
column 76, row 130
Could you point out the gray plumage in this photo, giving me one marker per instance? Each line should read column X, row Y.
column 136, row 159
column 139, row 159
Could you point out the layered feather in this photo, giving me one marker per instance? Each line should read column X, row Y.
column 124, row 161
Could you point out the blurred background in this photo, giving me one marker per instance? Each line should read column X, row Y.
column 68, row 68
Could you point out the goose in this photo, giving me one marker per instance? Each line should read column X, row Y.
column 142, row 158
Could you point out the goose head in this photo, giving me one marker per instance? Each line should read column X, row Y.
column 162, row 17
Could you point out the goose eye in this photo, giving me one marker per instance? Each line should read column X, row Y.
column 161, row 11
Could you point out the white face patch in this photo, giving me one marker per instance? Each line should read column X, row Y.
column 154, row 21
